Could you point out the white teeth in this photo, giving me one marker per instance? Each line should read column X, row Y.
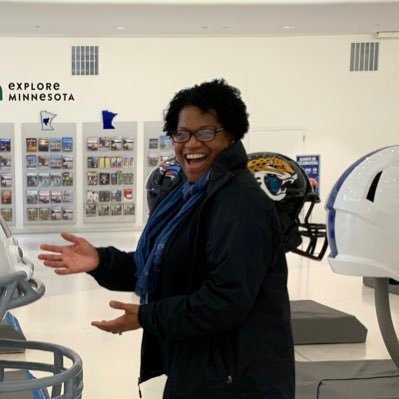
column 195, row 156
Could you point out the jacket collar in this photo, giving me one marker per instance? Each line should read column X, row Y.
column 231, row 159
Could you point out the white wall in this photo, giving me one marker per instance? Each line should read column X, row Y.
column 288, row 83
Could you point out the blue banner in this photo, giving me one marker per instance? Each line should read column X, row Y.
column 311, row 165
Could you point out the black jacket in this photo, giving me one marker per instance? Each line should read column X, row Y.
column 220, row 325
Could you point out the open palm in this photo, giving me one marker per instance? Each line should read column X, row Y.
column 80, row 256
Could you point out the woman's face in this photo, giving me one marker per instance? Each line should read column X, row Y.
column 196, row 157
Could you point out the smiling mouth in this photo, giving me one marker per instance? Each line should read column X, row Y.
column 193, row 159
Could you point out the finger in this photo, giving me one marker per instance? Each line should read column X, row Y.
column 100, row 326
column 70, row 237
column 62, row 272
column 53, row 263
column 51, row 248
column 107, row 325
column 119, row 305
column 50, row 257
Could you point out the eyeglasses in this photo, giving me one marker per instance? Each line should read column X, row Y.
column 203, row 135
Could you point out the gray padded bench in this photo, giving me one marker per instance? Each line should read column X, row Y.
column 314, row 323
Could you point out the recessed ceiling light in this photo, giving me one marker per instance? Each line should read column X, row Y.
column 120, row 27
column 288, row 27
column 387, row 35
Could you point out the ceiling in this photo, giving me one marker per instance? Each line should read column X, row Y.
column 195, row 19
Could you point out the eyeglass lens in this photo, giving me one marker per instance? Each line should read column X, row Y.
column 182, row 136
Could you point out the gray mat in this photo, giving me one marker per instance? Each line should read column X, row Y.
column 357, row 379
column 314, row 323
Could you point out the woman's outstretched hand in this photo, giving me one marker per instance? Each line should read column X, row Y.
column 127, row 322
column 77, row 257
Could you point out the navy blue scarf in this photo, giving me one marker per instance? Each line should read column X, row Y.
column 163, row 222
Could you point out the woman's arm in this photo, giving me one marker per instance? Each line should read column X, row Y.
column 242, row 233
column 116, row 270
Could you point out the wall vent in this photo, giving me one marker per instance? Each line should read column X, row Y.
column 364, row 56
column 84, row 60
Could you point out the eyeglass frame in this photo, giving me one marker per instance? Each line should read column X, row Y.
column 215, row 130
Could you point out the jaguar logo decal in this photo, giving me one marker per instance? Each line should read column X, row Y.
column 273, row 174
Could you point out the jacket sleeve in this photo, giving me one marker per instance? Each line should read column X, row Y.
column 117, row 269
column 242, row 232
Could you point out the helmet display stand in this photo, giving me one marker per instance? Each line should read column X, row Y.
column 366, row 379
column 393, row 286
column 363, row 213
column 17, row 380
column 385, row 320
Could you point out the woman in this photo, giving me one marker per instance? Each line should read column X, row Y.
column 209, row 267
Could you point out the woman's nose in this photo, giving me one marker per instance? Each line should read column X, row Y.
column 193, row 142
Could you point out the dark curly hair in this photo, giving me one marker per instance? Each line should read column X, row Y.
column 215, row 95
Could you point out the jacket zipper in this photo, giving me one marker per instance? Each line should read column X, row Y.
column 229, row 378
column 138, row 386
column 227, row 361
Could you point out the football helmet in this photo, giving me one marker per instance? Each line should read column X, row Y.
column 17, row 285
column 282, row 179
column 19, row 288
column 286, row 183
column 362, row 216
column 163, row 177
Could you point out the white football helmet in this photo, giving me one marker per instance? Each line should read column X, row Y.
column 11, row 256
column 17, row 285
column 362, row 217
column 19, row 288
